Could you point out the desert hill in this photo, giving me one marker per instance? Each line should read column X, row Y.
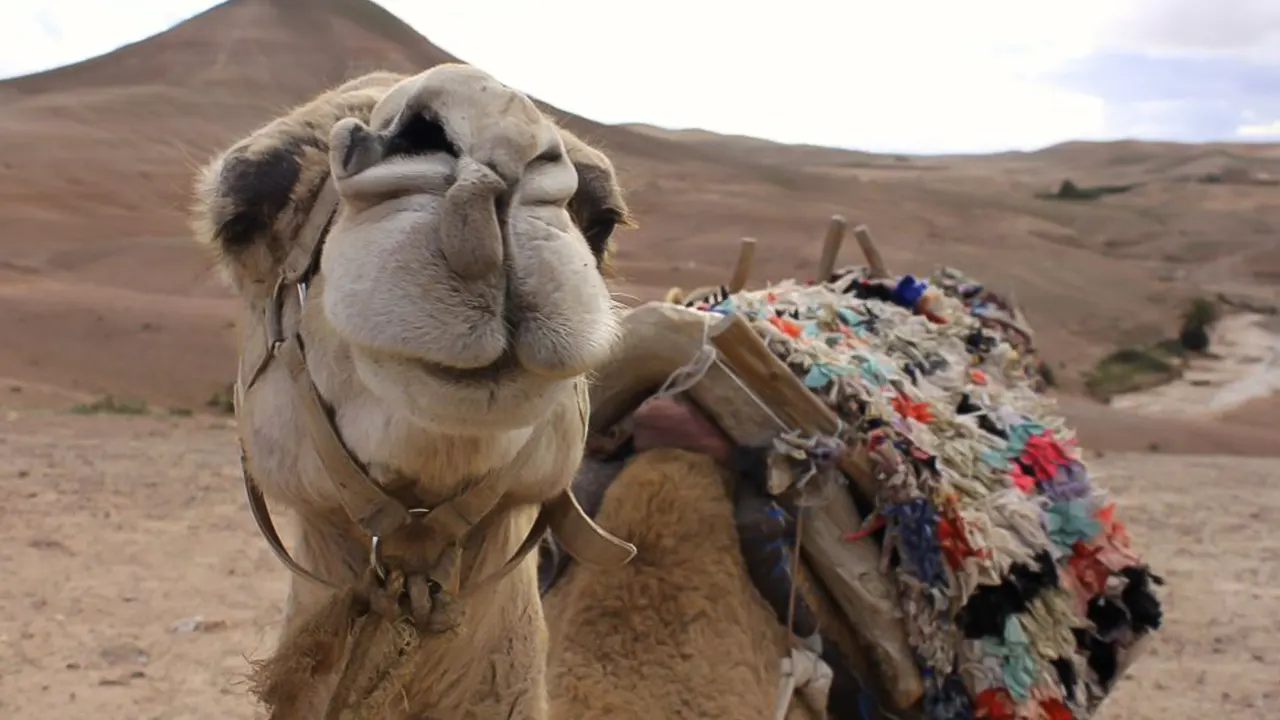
column 101, row 290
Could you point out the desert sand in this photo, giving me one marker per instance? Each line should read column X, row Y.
column 135, row 585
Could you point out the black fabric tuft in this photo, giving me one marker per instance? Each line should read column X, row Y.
column 1107, row 615
column 1101, row 656
column 750, row 468
column 979, row 343
column 1067, row 676
column 1144, row 608
column 990, row 606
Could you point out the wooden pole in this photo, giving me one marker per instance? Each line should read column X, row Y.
column 849, row 570
column 741, row 271
column 831, row 247
column 874, row 261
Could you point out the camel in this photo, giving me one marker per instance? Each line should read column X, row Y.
column 425, row 256
column 420, row 264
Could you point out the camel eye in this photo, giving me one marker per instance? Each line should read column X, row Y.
column 599, row 229
column 420, row 136
column 550, row 156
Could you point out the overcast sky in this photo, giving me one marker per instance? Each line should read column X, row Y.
column 903, row 75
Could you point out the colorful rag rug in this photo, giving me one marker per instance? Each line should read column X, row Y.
column 1019, row 587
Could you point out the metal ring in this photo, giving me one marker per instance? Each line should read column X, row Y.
column 375, row 557
column 375, row 545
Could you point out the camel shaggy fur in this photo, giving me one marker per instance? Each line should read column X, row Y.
column 459, row 303
column 695, row 626
column 680, row 633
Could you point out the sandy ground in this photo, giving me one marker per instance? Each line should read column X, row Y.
column 135, row 585
column 1243, row 366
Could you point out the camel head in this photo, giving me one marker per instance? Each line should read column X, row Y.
column 462, row 277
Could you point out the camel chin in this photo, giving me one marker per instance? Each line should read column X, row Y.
column 501, row 397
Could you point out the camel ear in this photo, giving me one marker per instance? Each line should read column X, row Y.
column 248, row 203
column 251, row 200
column 597, row 208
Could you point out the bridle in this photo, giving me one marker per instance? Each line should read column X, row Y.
column 365, row 501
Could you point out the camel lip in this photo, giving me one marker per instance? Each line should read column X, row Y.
column 496, row 371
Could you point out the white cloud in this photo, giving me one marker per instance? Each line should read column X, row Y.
column 922, row 75
column 41, row 34
column 911, row 75
column 1260, row 130
column 1238, row 29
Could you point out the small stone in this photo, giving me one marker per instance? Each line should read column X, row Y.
column 197, row 624
column 124, row 653
column 52, row 544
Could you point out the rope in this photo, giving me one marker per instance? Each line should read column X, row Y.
column 754, row 398
column 692, row 372
column 795, row 577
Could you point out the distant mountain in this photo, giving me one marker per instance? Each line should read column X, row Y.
column 97, row 158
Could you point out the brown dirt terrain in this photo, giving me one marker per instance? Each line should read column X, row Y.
column 136, row 585
column 116, row 533
column 96, row 161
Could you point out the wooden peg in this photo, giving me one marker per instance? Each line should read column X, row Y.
column 874, row 261
column 831, row 247
column 741, row 271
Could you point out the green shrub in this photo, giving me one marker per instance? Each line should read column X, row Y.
column 1047, row 374
column 1199, row 317
column 109, row 405
column 1070, row 191
column 1131, row 369
column 223, row 400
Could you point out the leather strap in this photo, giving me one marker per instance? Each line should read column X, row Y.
column 368, row 505
column 581, row 537
column 302, row 263
column 531, row 541
column 262, row 516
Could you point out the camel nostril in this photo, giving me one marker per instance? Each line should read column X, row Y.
column 421, row 135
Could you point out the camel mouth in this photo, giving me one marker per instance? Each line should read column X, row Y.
column 506, row 366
